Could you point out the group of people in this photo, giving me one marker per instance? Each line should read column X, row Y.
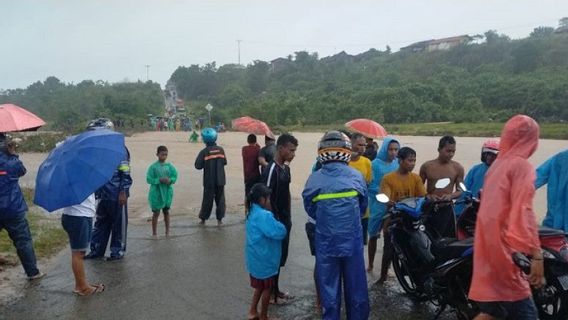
column 339, row 198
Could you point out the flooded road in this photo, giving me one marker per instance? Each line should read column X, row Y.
column 198, row 273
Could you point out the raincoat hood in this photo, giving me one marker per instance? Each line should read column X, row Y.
column 383, row 153
column 519, row 137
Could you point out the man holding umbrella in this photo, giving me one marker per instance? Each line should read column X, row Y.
column 13, row 208
column 112, row 215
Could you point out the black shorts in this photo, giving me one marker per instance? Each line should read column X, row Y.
column 517, row 310
column 311, row 233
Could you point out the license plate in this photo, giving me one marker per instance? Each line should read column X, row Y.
column 563, row 282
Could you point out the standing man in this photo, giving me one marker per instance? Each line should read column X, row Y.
column 371, row 149
column 506, row 224
column 277, row 177
column 336, row 198
column 13, row 208
column 251, row 171
column 554, row 172
column 112, row 214
column 212, row 160
column 363, row 165
column 443, row 220
column 267, row 152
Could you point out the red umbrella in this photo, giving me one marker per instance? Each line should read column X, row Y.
column 366, row 127
column 251, row 125
column 14, row 118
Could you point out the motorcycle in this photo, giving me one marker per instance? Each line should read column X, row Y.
column 552, row 299
column 428, row 267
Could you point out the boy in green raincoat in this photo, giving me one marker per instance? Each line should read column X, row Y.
column 161, row 175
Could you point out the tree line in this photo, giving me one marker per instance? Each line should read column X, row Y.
column 69, row 107
column 484, row 80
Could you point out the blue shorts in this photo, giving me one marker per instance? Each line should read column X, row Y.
column 376, row 213
column 79, row 230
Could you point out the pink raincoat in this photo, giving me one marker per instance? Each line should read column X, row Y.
column 506, row 222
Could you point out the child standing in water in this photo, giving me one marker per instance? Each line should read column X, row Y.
column 263, row 248
column 161, row 175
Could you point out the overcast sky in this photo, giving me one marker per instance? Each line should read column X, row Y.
column 114, row 40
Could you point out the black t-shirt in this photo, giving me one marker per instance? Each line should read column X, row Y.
column 278, row 179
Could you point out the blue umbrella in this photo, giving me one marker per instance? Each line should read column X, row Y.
column 77, row 168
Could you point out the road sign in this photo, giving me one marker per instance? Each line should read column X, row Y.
column 209, row 107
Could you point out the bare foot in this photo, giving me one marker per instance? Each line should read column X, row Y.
column 219, row 223
column 370, row 268
column 154, row 237
column 202, row 222
column 381, row 281
column 252, row 316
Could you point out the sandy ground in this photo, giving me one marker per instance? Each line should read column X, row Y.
column 188, row 189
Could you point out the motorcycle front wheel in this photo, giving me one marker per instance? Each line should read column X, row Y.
column 405, row 280
column 551, row 302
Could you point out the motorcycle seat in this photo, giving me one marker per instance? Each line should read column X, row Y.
column 549, row 232
column 450, row 248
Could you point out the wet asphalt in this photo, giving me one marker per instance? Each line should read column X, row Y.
column 198, row 273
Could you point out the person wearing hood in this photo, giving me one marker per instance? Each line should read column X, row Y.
column 213, row 161
column 13, row 208
column 335, row 197
column 385, row 162
column 506, row 224
column 476, row 175
column 554, row 172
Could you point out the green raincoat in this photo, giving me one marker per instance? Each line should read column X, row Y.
column 161, row 194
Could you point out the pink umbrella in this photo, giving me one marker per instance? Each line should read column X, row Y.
column 14, row 118
column 366, row 127
column 251, row 125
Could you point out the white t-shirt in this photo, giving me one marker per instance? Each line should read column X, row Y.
column 86, row 209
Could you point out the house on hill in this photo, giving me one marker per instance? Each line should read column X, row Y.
column 279, row 64
column 437, row 44
column 339, row 57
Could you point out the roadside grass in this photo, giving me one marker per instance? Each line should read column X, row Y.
column 37, row 141
column 547, row 130
column 47, row 234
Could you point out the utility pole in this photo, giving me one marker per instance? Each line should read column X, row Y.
column 147, row 72
column 239, row 50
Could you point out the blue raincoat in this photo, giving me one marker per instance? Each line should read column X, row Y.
column 12, row 203
column 380, row 167
column 473, row 182
column 336, row 198
column 264, row 235
column 555, row 172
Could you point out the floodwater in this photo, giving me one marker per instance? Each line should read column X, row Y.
column 199, row 272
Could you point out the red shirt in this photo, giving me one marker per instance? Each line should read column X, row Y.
column 250, row 161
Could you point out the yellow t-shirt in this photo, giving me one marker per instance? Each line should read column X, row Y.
column 398, row 187
column 363, row 165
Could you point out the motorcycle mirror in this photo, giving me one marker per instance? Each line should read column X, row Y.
column 462, row 187
column 382, row 198
column 442, row 183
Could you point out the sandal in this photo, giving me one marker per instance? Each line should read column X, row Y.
column 97, row 288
